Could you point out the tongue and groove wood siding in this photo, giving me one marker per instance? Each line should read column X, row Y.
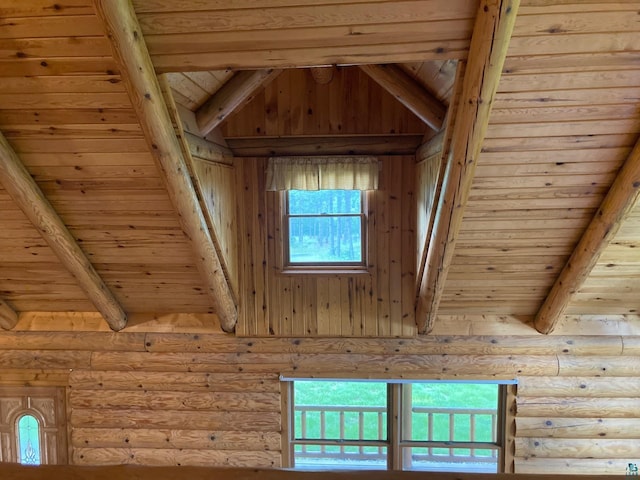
column 214, row 399
column 379, row 302
column 64, row 109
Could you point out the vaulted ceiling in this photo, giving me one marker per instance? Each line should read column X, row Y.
column 99, row 212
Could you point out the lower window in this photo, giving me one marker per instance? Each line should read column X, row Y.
column 434, row 426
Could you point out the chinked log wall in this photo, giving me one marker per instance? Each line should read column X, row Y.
column 215, row 400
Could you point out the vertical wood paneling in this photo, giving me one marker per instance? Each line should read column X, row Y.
column 217, row 183
column 294, row 104
column 378, row 302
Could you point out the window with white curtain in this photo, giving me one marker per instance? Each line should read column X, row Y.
column 323, row 208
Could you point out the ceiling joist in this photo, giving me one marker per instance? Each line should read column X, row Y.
column 491, row 35
column 132, row 57
column 238, row 90
column 25, row 192
column 616, row 206
column 8, row 316
column 408, row 92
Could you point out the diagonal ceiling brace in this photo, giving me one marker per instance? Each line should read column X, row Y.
column 25, row 192
column 616, row 206
column 491, row 35
column 408, row 92
column 132, row 57
column 238, row 90
column 8, row 316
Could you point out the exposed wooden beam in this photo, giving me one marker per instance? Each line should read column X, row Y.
column 408, row 92
column 8, row 316
column 236, row 91
column 316, row 145
column 25, row 192
column 491, row 35
column 616, row 206
column 132, row 57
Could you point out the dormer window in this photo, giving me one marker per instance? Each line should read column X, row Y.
column 324, row 227
column 323, row 211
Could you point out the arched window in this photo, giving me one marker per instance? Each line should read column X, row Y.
column 32, row 425
column 28, row 440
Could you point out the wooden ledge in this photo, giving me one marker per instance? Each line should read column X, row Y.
column 130, row 472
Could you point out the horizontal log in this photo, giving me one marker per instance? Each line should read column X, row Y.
column 578, row 407
column 130, row 472
column 578, row 387
column 334, row 145
column 8, row 316
column 118, row 418
column 326, row 364
column 72, row 341
column 605, row 366
column 577, row 448
column 177, row 439
column 165, row 457
column 568, row 467
column 155, row 400
column 34, row 378
column 443, row 344
column 175, row 382
column 44, row 359
column 208, row 151
column 590, row 428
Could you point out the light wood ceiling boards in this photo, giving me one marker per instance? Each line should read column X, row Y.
column 491, row 36
column 64, row 109
column 616, row 206
column 28, row 196
column 562, row 125
column 132, row 55
column 191, row 36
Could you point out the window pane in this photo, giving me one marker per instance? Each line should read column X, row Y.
column 29, row 440
column 340, row 457
column 325, row 239
column 324, row 201
column 460, row 412
column 340, row 410
column 450, row 459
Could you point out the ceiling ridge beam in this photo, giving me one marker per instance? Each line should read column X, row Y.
column 238, row 90
column 132, row 57
column 8, row 316
column 409, row 92
column 27, row 195
column 491, row 35
column 614, row 209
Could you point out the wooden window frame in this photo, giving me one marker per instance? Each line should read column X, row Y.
column 398, row 401
column 319, row 268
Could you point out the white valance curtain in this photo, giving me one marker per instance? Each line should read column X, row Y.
column 322, row 173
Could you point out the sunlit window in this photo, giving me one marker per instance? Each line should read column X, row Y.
column 29, row 440
column 437, row 426
column 324, row 227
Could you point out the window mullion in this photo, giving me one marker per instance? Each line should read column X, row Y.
column 394, row 453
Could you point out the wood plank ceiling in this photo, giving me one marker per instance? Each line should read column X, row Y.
column 565, row 118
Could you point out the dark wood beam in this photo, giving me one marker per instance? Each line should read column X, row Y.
column 317, row 145
column 408, row 92
column 27, row 195
column 136, row 472
column 132, row 57
column 489, row 43
column 8, row 316
column 237, row 91
column 614, row 209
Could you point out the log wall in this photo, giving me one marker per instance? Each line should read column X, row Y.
column 215, row 400
column 379, row 302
